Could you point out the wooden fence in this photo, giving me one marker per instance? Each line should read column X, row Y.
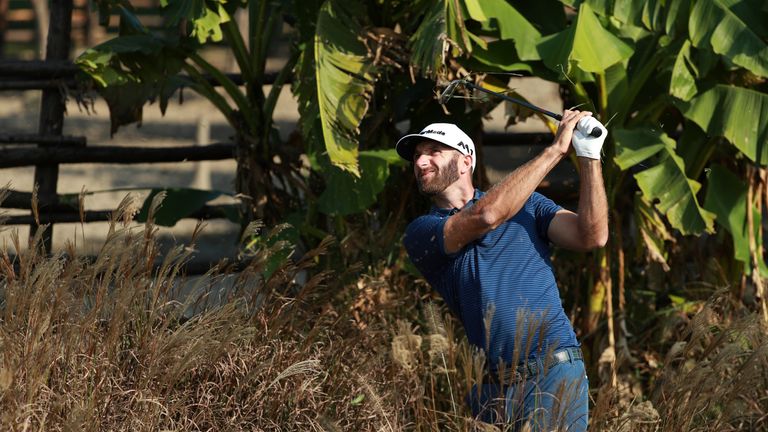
column 48, row 148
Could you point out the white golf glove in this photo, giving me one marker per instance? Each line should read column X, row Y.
column 585, row 144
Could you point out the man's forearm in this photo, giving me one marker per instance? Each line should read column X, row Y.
column 508, row 196
column 593, row 205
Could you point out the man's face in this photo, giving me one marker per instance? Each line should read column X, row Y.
column 436, row 167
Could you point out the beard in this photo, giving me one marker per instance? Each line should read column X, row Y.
column 441, row 180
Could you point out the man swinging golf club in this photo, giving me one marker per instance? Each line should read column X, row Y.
column 487, row 254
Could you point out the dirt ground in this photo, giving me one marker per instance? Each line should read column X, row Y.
column 180, row 127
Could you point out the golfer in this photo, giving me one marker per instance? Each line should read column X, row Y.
column 488, row 255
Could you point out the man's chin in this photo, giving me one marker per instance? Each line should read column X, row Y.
column 429, row 191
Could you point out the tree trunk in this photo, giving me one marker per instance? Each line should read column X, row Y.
column 251, row 181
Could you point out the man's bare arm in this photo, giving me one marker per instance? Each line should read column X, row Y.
column 507, row 197
column 587, row 229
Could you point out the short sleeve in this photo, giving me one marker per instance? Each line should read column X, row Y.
column 424, row 242
column 545, row 210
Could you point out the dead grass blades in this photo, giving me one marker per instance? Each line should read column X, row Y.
column 127, row 342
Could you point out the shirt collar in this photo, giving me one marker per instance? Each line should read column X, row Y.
column 448, row 212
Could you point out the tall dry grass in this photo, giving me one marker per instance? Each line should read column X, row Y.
column 120, row 343
column 713, row 378
column 117, row 344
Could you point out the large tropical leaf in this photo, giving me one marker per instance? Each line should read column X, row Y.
column 177, row 204
column 497, row 56
column 738, row 114
column 676, row 21
column 652, row 231
column 547, row 16
column 132, row 69
column 727, row 198
column 666, row 181
column 344, row 73
column 735, row 29
column 684, row 74
column 205, row 19
column 630, row 11
column 140, row 66
column 587, row 44
column 345, row 194
column 512, row 25
column 429, row 42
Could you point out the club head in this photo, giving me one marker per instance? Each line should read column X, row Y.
column 446, row 95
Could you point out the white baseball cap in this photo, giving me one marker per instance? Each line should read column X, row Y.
column 444, row 133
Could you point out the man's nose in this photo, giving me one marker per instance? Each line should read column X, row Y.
column 421, row 161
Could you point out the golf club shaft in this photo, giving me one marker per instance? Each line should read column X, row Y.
column 451, row 88
column 557, row 117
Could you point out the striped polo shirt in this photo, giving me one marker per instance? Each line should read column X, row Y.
column 504, row 277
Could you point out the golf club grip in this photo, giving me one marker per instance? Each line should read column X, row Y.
column 595, row 132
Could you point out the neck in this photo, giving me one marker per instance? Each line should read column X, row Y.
column 456, row 195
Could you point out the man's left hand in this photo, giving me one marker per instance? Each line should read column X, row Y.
column 584, row 144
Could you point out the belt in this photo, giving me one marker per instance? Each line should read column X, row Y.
column 533, row 367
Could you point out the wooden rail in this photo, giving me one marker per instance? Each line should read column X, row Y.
column 17, row 157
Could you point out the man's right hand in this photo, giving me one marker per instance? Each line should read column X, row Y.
column 564, row 133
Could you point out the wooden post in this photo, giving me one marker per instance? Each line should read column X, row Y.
column 52, row 108
column 3, row 23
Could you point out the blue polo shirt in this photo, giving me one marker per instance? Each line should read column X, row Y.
column 505, row 276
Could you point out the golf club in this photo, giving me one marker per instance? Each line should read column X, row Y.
column 451, row 88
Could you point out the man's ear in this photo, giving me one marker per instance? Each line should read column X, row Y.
column 466, row 164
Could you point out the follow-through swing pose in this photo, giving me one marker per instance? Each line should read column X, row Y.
column 487, row 254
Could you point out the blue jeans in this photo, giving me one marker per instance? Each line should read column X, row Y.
column 557, row 399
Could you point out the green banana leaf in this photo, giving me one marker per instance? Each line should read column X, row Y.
column 132, row 70
column 652, row 231
column 547, row 16
column 345, row 75
column 629, row 11
column 496, row 56
column 727, row 198
column 346, row 194
column 587, row 44
column 512, row 25
column 178, row 204
column 206, row 22
column 738, row 114
column 140, row 66
column 429, row 42
column 735, row 29
column 666, row 180
column 676, row 22
column 684, row 74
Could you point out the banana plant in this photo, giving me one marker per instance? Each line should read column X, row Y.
column 140, row 66
column 682, row 85
column 355, row 82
